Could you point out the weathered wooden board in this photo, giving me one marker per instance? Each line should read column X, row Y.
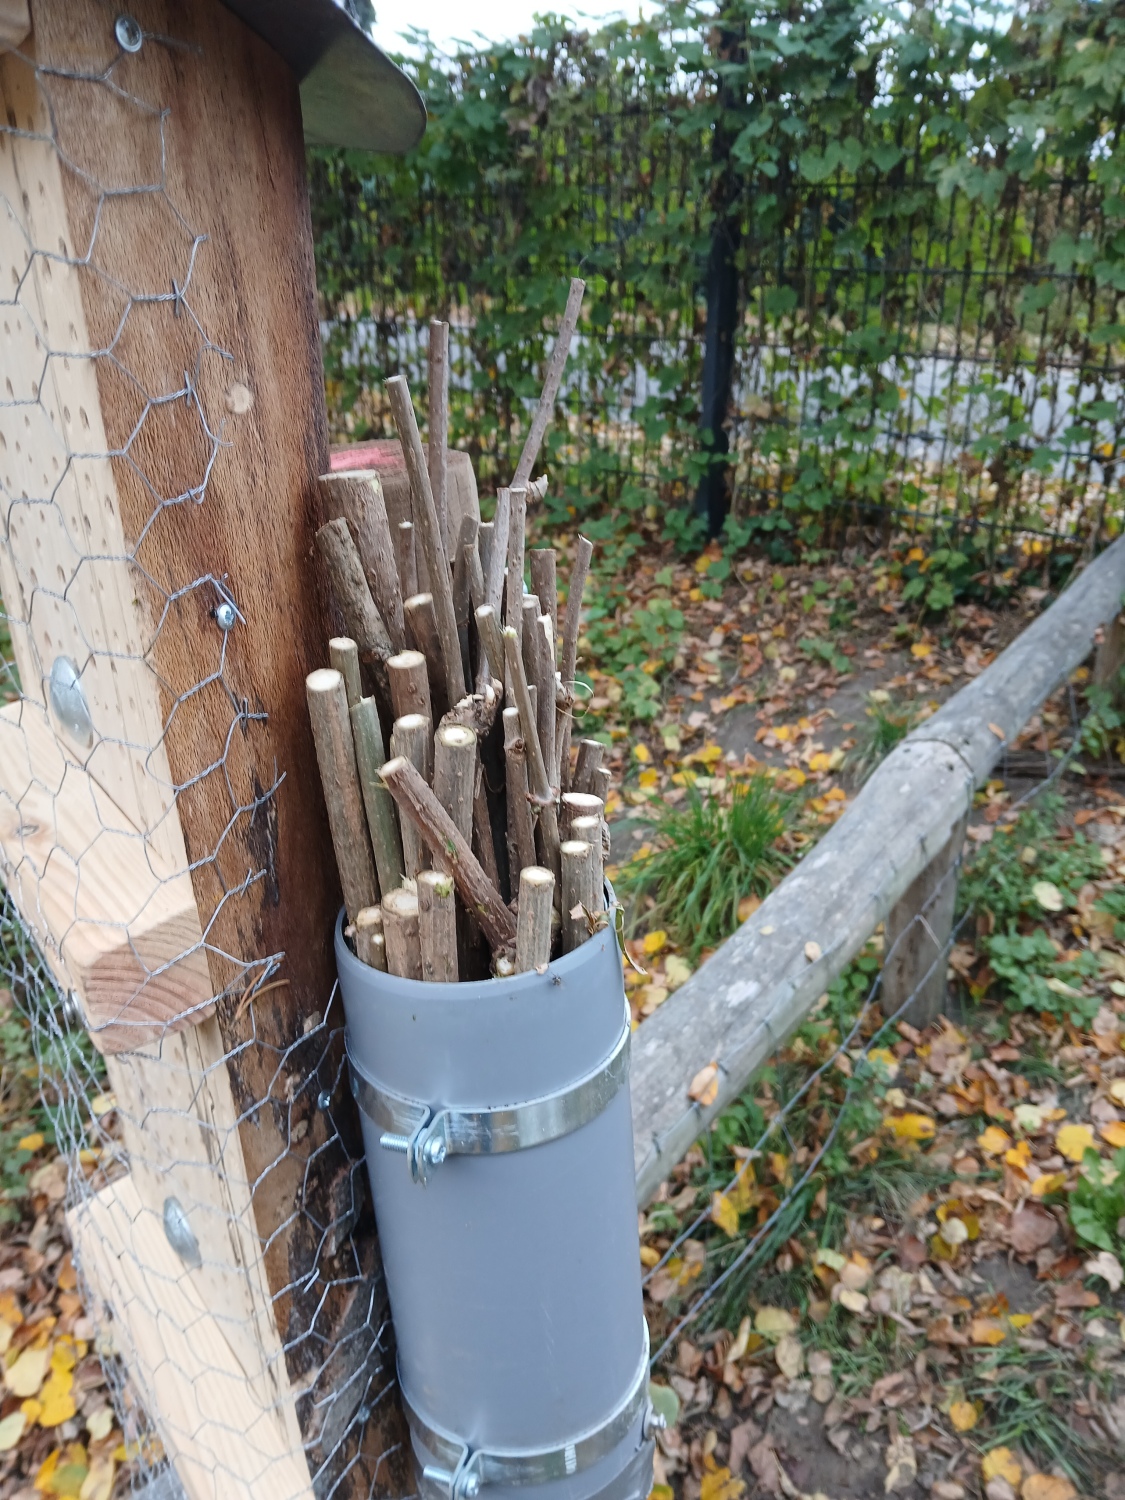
column 120, row 930
column 751, row 995
column 221, row 1437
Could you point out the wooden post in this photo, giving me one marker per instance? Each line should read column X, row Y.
column 916, row 937
column 164, row 193
column 1109, row 658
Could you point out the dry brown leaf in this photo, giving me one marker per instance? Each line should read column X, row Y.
column 704, row 1088
column 1047, row 1487
column 742, row 1439
column 1031, row 1228
column 902, row 1465
column 766, row 1466
column 790, row 1356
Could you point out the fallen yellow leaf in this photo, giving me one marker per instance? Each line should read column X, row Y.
column 650, row 1256
column 1117, row 1090
column 724, row 1214
column 32, row 1142
column 704, row 1088
column 855, row 1302
column 1019, row 1156
column 718, row 1484
column 910, row 1127
column 654, row 942
column 964, row 1415
column 921, row 649
column 1047, row 1487
column 885, row 1061
column 1074, row 1141
column 994, row 1140
column 648, row 779
column 986, row 1331
column 1113, row 1133
column 27, row 1374
column 102, row 1104
column 57, row 1399
column 642, row 753
column 1049, row 1182
column 774, row 1322
column 11, row 1430
column 1021, row 1320
column 1001, row 1463
column 98, row 1484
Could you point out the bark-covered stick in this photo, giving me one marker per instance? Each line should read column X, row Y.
column 417, row 803
column 521, row 824
column 517, row 523
column 568, row 666
column 409, row 682
column 382, row 816
column 370, row 946
column 590, row 830
column 429, row 535
column 349, row 588
column 533, row 923
column 400, row 931
column 603, row 778
column 437, row 426
column 421, row 626
column 463, row 562
column 529, row 642
column 335, row 755
column 358, row 497
column 494, row 569
column 491, row 639
column 413, row 738
column 579, row 805
column 538, row 781
column 544, row 582
column 407, row 559
column 590, row 754
column 574, row 856
column 483, row 843
column 545, row 410
column 455, row 774
column 546, row 681
column 484, row 541
column 477, row 711
column 343, row 657
column 437, row 927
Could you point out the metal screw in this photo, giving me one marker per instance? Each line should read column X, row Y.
column 226, row 616
column 433, row 1152
column 364, row 1413
column 655, row 1421
column 68, row 700
column 323, row 1099
column 128, row 32
column 399, row 1143
column 180, row 1234
column 470, row 1487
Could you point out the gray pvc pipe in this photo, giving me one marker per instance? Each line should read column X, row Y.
column 514, row 1280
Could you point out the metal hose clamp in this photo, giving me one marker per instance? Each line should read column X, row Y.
column 460, row 1471
column 428, row 1134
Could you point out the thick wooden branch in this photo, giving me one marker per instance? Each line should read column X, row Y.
column 357, row 496
column 332, row 734
column 417, row 802
column 437, row 927
column 382, row 819
column 349, row 587
column 537, row 776
column 747, row 1000
column 533, row 924
column 428, row 528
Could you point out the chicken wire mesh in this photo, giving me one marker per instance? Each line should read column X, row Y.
column 216, row 1200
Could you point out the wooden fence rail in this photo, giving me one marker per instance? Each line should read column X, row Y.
column 756, row 990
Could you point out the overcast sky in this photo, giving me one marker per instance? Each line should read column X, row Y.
column 451, row 21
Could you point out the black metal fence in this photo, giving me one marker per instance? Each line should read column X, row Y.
column 920, row 336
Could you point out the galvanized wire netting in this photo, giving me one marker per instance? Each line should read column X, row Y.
column 214, row 1188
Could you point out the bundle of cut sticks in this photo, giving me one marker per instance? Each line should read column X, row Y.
column 469, row 839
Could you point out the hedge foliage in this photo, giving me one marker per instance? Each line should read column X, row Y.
column 927, row 208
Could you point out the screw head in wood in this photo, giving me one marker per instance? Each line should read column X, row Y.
column 323, row 1100
column 180, row 1234
column 68, row 701
column 128, row 32
column 226, row 616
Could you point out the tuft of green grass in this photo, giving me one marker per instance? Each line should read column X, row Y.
column 708, row 855
column 887, row 724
